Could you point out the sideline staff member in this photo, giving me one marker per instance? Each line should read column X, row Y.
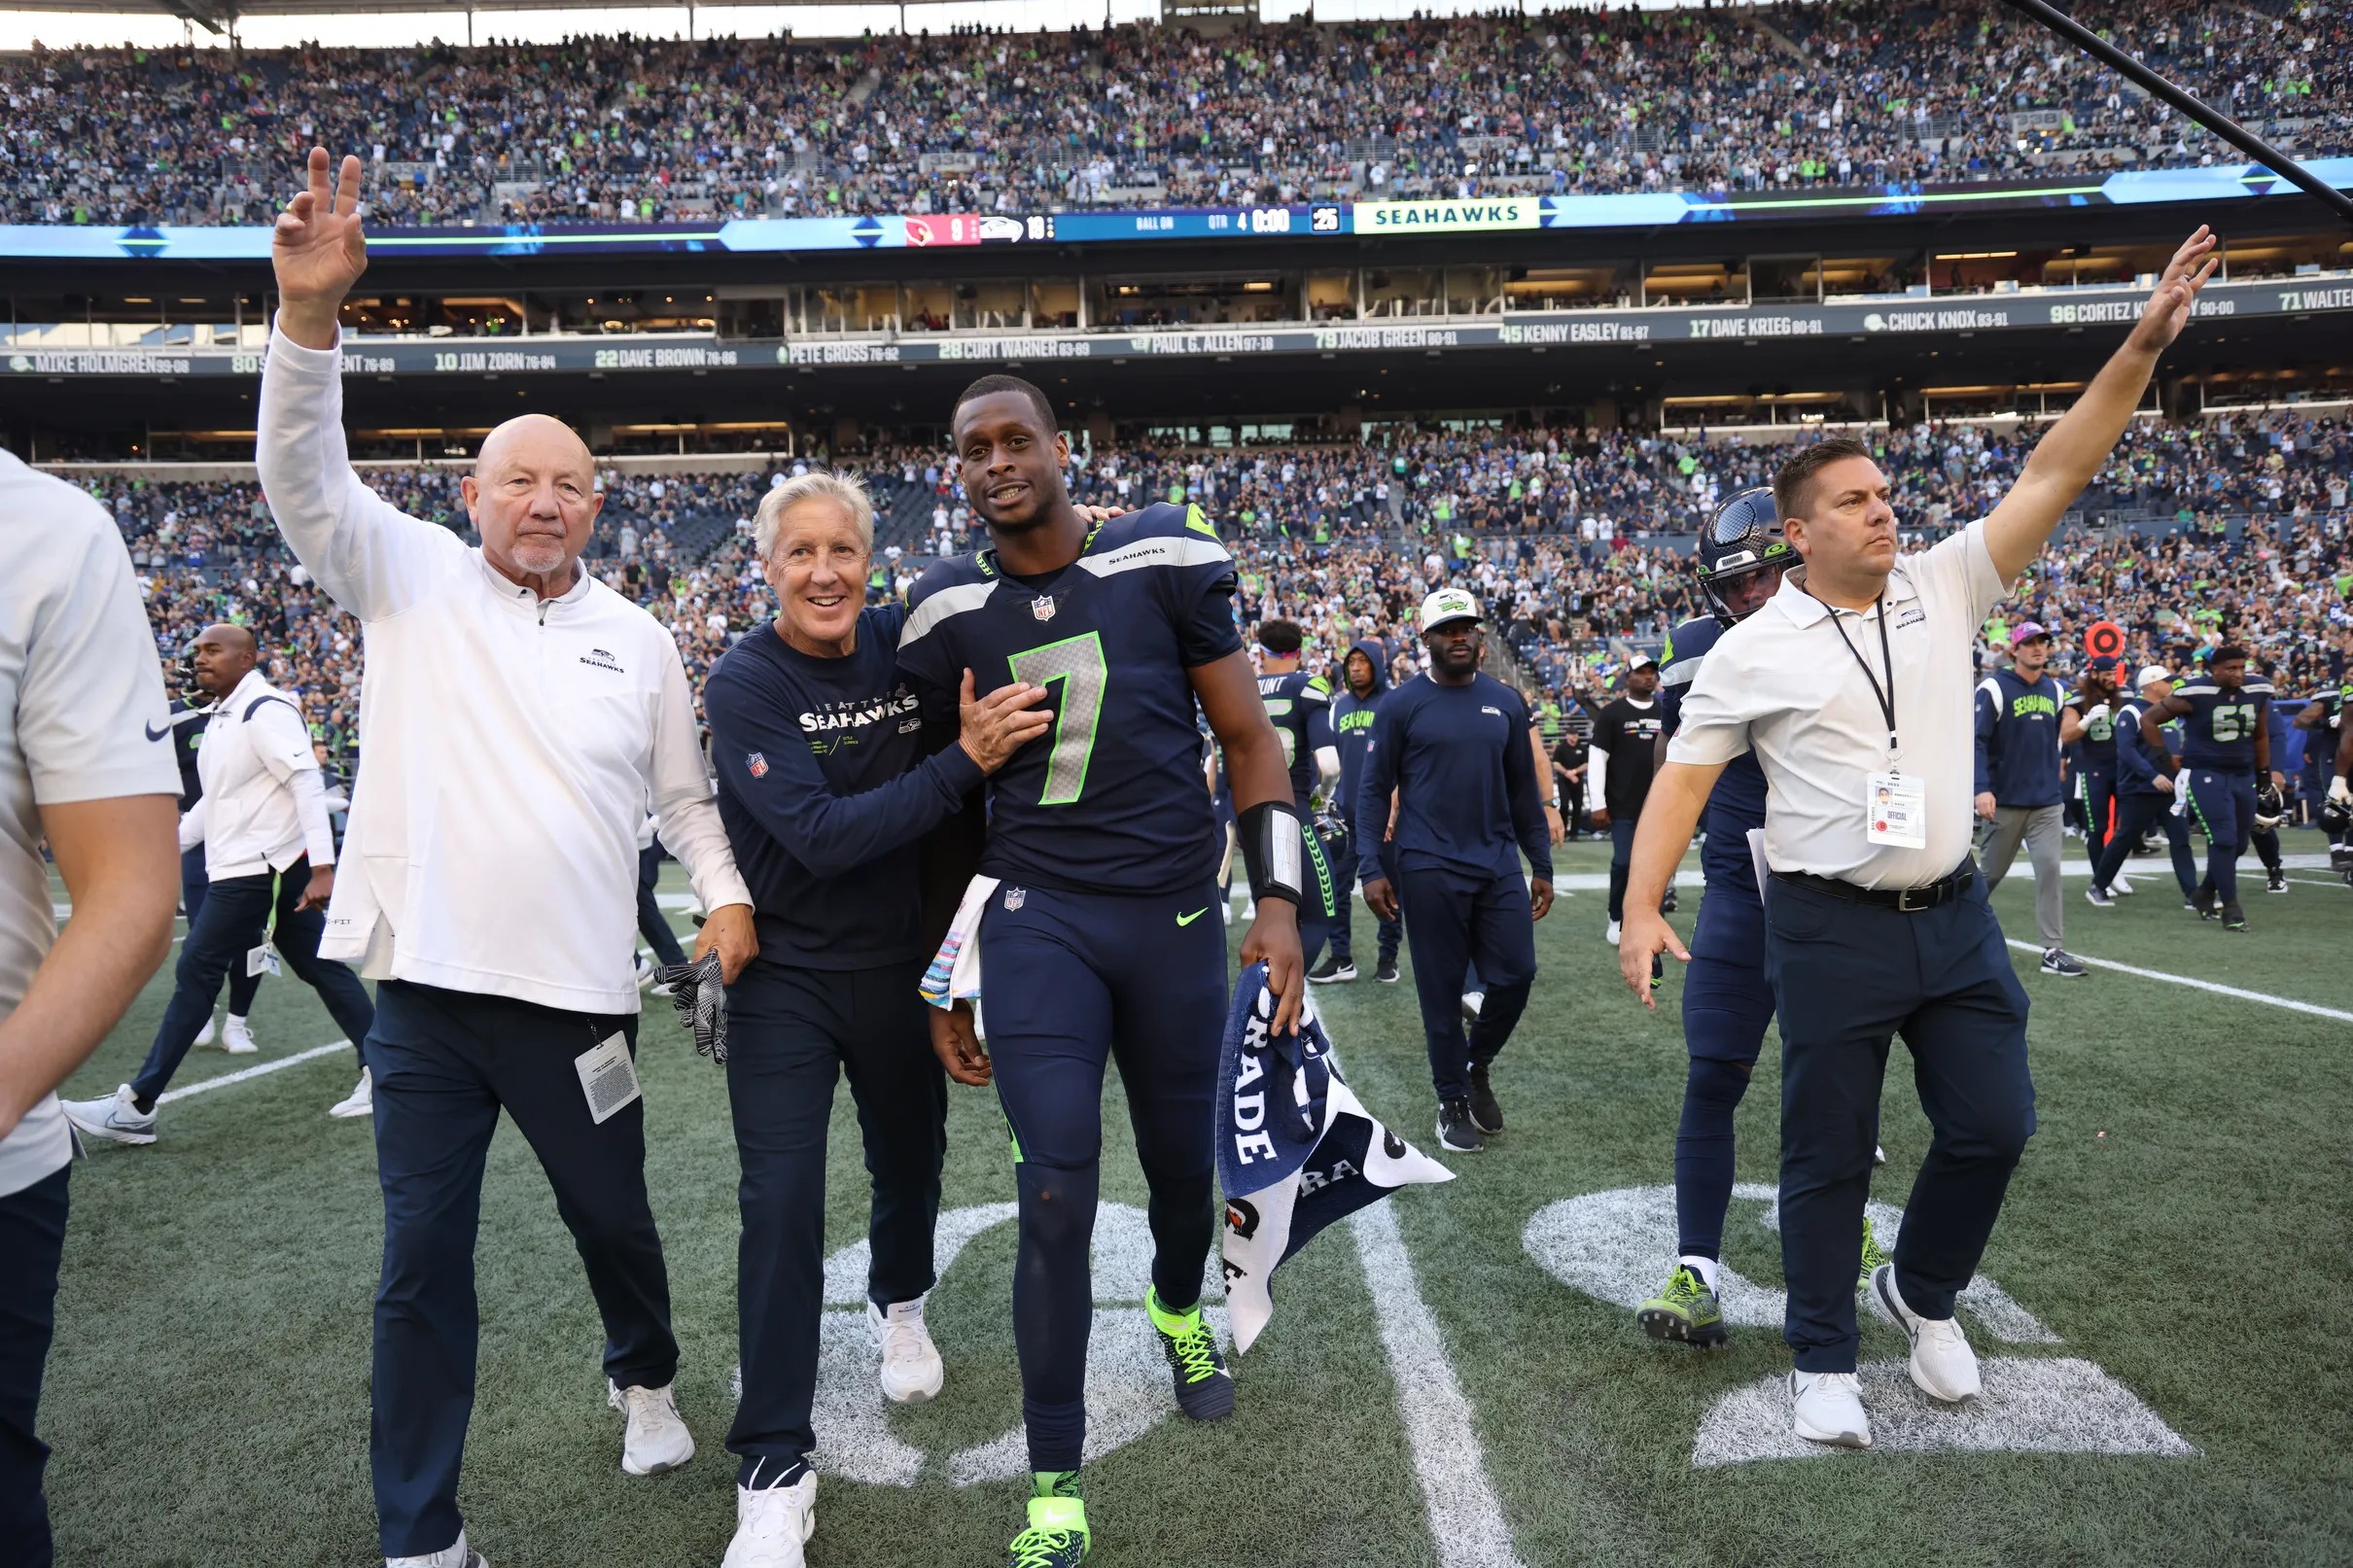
column 519, row 718
column 1854, row 687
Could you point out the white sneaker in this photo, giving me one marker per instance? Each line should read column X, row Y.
column 911, row 1373
column 1827, row 1406
column 771, row 1523
column 2119, row 887
column 1616, row 929
column 455, row 1555
column 1472, row 1003
column 1942, row 1362
column 114, row 1117
column 1878, row 1154
column 644, row 971
column 204, row 1035
column 361, row 1101
column 656, row 1440
column 237, row 1037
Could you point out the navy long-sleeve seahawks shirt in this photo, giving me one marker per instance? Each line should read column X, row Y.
column 1737, row 804
column 1113, row 799
column 1351, row 719
column 826, row 793
column 2018, row 747
column 1459, row 757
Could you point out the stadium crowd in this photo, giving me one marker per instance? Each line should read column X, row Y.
column 622, row 128
column 1575, row 542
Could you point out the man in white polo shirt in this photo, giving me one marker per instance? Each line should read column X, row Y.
column 1854, row 687
column 269, row 862
column 517, row 720
column 86, row 764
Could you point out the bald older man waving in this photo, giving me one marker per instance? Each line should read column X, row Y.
column 517, row 717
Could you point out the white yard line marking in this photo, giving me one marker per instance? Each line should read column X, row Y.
column 1466, row 1522
column 243, row 1073
column 2315, row 881
column 2292, row 1006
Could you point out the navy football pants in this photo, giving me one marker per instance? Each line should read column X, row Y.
column 789, row 1032
column 2095, row 793
column 1727, row 1004
column 1847, row 978
column 1071, row 982
column 1455, row 918
column 2223, row 804
column 445, row 1064
column 2135, row 814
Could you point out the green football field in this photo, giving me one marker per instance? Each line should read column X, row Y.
column 1454, row 1379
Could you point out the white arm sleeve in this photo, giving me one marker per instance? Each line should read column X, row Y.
column 681, row 791
column 191, row 827
column 373, row 558
column 310, row 809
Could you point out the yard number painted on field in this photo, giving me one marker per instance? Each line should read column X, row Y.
column 1613, row 1245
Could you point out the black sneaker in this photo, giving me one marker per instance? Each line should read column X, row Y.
column 1331, row 971
column 1667, row 905
column 1486, row 1115
column 2059, row 961
column 1386, row 975
column 2275, row 882
column 2234, row 919
column 2203, row 901
column 2095, row 895
column 1456, row 1128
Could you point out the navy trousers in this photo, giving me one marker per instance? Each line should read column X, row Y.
column 1846, row 977
column 1727, row 1004
column 1069, row 983
column 1390, row 932
column 445, row 1064
column 193, row 885
column 2223, row 804
column 32, row 1239
column 789, row 1032
column 1455, row 918
column 2135, row 814
column 235, row 915
column 651, row 924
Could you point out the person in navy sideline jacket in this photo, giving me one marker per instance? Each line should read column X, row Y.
column 1354, row 710
column 2225, row 765
column 2018, row 782
column 2145, row 788
column 826, row 793
column 1453, row 745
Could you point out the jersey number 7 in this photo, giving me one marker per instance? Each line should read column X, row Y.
column 1077, row 663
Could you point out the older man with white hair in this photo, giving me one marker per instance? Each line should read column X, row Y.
column 517, row 717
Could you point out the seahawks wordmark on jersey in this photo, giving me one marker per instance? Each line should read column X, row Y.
column 1295, row 1149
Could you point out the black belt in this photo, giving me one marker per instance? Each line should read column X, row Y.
column 1907, row 900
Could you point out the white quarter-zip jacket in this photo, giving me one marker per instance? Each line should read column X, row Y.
column 264, row 807
column 509, row 744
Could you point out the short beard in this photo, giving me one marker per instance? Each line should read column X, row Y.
column 538, row 559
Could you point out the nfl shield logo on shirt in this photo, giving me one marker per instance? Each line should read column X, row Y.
column 758, row 764
column 1015, row 897
column 1042, row 607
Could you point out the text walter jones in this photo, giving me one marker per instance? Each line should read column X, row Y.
column 484, row 360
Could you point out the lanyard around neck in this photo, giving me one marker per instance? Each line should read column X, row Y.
column 1885, row 694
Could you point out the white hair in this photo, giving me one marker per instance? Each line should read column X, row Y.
column 844, row 490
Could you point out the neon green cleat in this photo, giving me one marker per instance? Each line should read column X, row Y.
column 1872, row 1257
column 1205, row 1389
column 1058, row 1536
column 1686, row 1310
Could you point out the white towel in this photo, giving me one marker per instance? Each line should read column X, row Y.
column 954, row 973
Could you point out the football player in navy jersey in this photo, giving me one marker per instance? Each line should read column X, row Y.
column 1299, row 705
column 1727, row 1002
column 2226, row 748
column 1094, row 943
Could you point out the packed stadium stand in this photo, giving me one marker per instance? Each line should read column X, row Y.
column 606, row 129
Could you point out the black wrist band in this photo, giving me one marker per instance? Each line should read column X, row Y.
column 1271, row 851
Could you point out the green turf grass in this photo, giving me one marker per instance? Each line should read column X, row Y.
column 208, row 1392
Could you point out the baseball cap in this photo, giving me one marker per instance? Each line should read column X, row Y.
column 1641, row 661
column 1448, row 604
column 2150, row 673
column 2027, row 631
column 2105, row 663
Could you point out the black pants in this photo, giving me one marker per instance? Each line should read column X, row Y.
column 445, row 1064
column 789, row 1029
column 32, row 1239
column 193, row 885
column 1390, row 932
column 651, row 924
column 237, row 917
column 1847, row 978
column 1457, row 918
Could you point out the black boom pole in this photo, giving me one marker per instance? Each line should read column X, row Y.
column 2214, row 120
